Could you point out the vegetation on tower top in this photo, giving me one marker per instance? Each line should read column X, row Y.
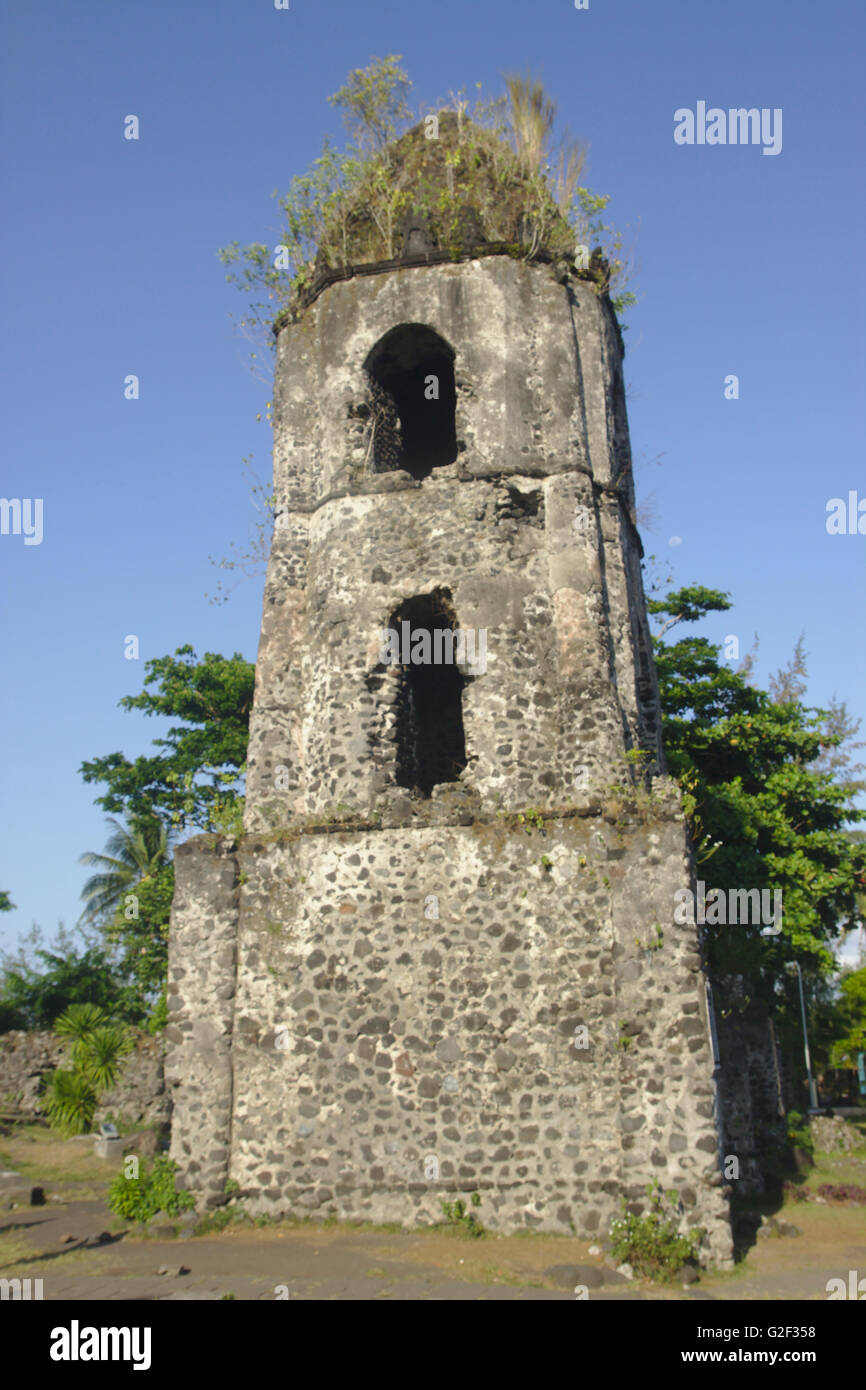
column 453, row 181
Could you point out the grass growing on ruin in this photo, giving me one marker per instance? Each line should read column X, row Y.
column 485, row 176
column 459, row 1221
column 236, row 1219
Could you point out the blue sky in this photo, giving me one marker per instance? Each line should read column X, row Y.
column 744, row 263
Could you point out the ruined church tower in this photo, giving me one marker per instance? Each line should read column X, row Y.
column 442, row 958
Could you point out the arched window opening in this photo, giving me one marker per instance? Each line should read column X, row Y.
column 411, row 371
column 431, row 745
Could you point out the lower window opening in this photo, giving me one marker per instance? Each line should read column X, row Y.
column 431, row 744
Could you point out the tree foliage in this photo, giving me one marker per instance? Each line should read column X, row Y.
column 140, row 939
column 193, row 781
column 130, row 898
column 134, row 853
column 764, row 813
column 195, row 776
column 36, row 988
column 373, row 103
column 850, row 1018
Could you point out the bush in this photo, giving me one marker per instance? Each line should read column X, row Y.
column 138, row 1199
column 795, row 1192
column 159, row 1017
column 71, row 1096
column 651, row 1244
column 79, row 1020
column 842, row 1192
column 799, row 1133
column 97, row 1056
column 11, row 1017
column 70, row 1102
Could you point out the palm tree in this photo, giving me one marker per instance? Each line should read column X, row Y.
column 133, row 852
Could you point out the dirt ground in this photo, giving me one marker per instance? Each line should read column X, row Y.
column 81, row 1251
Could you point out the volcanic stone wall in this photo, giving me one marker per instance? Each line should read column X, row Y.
column 418, row 1014
column 530, row 531
column 381, row 998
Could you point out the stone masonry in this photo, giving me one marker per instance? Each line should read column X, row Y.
column 441, row 959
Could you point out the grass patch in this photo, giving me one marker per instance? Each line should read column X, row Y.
column 816, row 1219
column 213, row 1222
column 837, row 1168
column 528, row 1234
column 19, row 1258
column 44, row 1156
column 14, row 1249
column 491, row 1274
column 237, row 1220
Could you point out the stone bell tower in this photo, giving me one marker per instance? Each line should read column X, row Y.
column 442, row 958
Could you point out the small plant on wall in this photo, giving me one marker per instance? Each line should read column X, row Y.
column 651, row 1243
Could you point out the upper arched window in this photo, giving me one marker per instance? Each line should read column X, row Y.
column 411, row 370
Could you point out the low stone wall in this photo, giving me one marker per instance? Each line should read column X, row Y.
column 139, row 1098
column 833, row 1135
column 24, row 1060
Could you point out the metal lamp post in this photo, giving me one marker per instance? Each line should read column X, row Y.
column 813, row 1093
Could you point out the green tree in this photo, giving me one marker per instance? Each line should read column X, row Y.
column 5, row 904
column 130, row 898
column 194, row 781
column 767, row 787
column 138, row 932
column 763, row 813
column 135, row 852
column 373, row 103
column 194, row 777
column 33, row 993
column 851, row 1018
